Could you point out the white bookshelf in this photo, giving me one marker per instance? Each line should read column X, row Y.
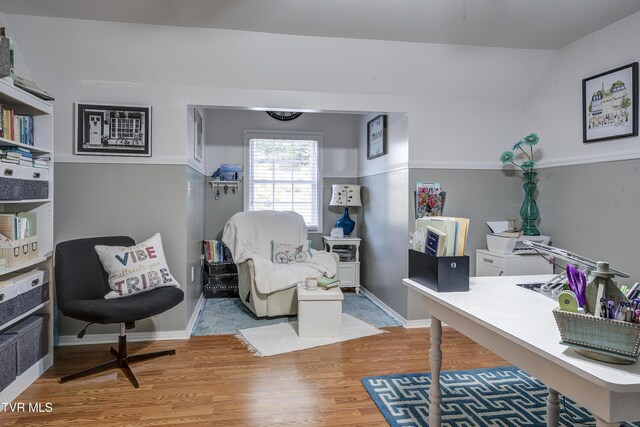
column 42, row 112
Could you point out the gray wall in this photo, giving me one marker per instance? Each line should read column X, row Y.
column 225, row 144
column 388, row 217
column 135, row 200
column 195, row 232
column 481, row 196
column 384, row 231
column 592, row 210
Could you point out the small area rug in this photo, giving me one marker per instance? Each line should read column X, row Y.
column 283, row 337
column 505, row 396
column 226, row 315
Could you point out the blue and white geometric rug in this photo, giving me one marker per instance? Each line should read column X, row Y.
column 504, row 396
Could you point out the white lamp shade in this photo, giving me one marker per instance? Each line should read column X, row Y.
column 345, row 195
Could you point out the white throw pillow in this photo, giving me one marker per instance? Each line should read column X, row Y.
column 135, row 269
column 285, row 253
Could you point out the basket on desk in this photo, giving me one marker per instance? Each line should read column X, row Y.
column 608, row 340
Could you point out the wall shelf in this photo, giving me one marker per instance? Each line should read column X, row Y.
column 4, row 142
column 22, row 266
column 225, row 187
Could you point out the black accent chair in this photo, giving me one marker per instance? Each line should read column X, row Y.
column 81, row 284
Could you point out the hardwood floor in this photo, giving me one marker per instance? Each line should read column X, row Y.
column 215, row 381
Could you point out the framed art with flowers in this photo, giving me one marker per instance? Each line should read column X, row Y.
column 610, row 104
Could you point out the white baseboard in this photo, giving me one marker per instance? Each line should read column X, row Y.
column 65, row 340
column 194, row 315
column 421, row 323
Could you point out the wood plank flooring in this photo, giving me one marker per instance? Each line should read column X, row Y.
column 215, row 381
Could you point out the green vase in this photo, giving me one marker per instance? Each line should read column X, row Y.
column 529, row 210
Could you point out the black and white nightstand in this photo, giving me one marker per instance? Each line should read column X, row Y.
column 348, row 249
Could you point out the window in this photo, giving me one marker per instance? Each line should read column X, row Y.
column 124, row 127
column 283, row 174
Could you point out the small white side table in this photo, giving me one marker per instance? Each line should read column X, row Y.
column 348, row 271
column 319, row 312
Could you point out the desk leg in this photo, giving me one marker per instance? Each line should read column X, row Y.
column 553, row 408
column 603, row 423
column 435, row 359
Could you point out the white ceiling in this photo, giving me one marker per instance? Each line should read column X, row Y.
column 536, row 24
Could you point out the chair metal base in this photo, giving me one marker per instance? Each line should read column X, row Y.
column 121, row 361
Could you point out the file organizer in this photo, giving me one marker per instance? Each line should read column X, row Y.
column 442, row 274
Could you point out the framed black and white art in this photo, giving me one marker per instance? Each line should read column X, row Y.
column 112, row 130
column 377, row 137
column 610, row 104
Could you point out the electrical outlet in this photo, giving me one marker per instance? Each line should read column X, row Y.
column 193, row 273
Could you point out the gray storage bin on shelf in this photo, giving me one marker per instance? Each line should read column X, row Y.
column 32, row 298
column 35, row 183
column 33, row 340
column 442, row 274
column 10, row 182
column 8, row 359
column 8, row 303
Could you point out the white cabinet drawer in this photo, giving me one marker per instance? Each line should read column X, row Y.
column 489, row 259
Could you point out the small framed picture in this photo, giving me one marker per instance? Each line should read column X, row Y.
column 610, row 104
column 197, row 136
column 377, row 137
column 112, row 130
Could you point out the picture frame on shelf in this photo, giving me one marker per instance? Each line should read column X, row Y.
column 610, row 104
column 377, row 137
column 112, row 130
column 198, row 146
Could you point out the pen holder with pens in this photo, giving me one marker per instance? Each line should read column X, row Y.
column 595, row 337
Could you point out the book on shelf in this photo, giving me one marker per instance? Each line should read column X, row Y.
column 436, row 242
column 16, row 226
column 16, row 127
column 216, row 251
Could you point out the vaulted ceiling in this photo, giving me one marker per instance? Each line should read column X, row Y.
column 535, row 24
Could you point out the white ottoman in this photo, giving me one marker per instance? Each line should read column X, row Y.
column 319, row 312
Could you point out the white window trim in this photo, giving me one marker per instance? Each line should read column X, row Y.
column 250, row 134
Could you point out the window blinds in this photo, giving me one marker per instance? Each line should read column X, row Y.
column 283, row 176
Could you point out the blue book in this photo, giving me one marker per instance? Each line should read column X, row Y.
column 436, row 242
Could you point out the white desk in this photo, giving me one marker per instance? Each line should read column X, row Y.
column 517, row 324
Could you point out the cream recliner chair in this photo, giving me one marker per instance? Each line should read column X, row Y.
column 265, row 287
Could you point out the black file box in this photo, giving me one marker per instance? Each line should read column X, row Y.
column 442, row 274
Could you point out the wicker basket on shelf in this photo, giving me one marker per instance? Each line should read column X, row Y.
column 600, row 338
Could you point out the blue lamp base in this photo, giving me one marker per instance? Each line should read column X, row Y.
column 345, row 222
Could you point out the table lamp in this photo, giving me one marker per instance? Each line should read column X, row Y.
column 345, row 195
